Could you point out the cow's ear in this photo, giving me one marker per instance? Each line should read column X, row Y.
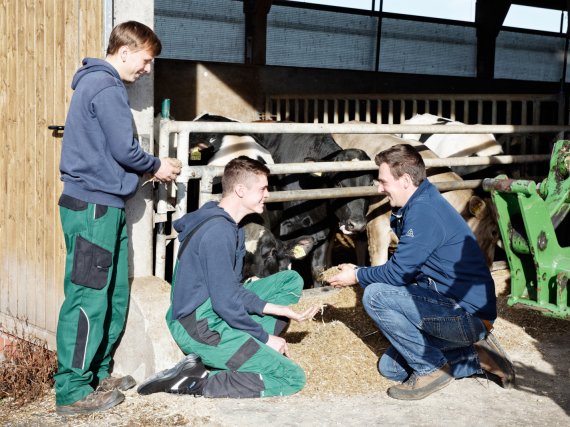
column 313, row 160
column 299, row 248
column 477, row 206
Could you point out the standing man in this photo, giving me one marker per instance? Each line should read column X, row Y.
column 101, row 161
column 232, row 328
column 434, row 300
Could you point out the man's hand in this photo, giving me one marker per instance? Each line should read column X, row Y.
column 169, row 169
column 308, row 314
column 346, row 277
column 278, row 344
column 283, row 310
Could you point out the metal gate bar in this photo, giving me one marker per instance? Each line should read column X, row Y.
column 206, row 174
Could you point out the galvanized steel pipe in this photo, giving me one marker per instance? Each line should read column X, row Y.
column 338, row 193
column 352, row 128
column 197, row 172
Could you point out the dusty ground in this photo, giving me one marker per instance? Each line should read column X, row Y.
column 338, row 352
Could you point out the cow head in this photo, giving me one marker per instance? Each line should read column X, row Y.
column 203, row 146
column 482, row 219
column 350, row 212
column 266, row 254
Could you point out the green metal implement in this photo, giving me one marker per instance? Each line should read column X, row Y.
column 529, row 216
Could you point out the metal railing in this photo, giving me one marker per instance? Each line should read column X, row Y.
column 206, row 174
column 523, row 109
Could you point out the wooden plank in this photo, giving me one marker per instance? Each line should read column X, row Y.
column 14, row 242
column 92, row 13
column 49, row 247
column 60, row 81
column 3, row 159
column 28, row 209
column 40, row 148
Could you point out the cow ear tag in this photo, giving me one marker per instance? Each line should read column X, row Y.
column 299, row 252
column 476, row 206
column 195, row 154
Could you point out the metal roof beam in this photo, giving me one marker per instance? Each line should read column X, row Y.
column 489, row 18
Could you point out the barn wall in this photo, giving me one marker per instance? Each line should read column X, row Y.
column 239, row 91
column 41, row 45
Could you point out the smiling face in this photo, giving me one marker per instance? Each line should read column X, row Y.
column 395, row 189
column 254, row 193
column 134, row 63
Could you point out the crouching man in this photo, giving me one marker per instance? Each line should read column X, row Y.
column 231, row 328
column 434, row 300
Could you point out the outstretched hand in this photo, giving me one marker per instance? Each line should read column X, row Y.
column 288, row 312
column 308, row 314
column 346, row 276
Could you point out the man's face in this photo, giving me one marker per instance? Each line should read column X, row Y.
column 254, row 193
column 392, row 188
column 135, row 63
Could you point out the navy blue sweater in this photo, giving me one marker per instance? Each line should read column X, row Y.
column 100, row 157
column 210, row 267
column 436, row 243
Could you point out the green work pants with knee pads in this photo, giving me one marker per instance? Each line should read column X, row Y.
column 96, row 287
column 242, row 366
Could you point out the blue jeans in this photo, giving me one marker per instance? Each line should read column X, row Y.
column 426, row 330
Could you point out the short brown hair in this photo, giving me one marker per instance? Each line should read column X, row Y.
column 239, row 171
column 401, row 159
column 136, row 36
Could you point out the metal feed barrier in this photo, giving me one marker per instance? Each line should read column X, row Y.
column 523, row 109
column 180, row 142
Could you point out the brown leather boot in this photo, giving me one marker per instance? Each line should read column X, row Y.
column 494, row 360
column 417, row 387
column 94, row 402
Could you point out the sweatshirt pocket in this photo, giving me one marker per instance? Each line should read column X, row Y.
column 91, row 264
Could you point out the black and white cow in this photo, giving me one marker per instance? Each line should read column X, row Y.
column 218, row 149
column 316, row 218
column 266, row 254
column 319, row 218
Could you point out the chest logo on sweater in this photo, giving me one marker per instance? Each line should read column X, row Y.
column 410, row 233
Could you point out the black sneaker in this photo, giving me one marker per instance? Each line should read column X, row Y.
column 119, row 383
column 186, row 377
column 94, row 402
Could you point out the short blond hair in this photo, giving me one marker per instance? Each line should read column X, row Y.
column 136, row 36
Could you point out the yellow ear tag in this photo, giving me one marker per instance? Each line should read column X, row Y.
column 319, row 174
column 195, row 154
column 299, row 252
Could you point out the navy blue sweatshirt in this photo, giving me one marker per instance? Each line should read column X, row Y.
column 100, row 157
column 210, row 267
column 436, row 243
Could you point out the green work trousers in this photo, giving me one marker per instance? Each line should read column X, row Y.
column 242, row 366
column 96, row 287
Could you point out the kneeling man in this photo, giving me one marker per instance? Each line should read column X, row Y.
column 434, row 300
column 230, row 327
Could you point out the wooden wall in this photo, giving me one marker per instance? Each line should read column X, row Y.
column 42, row 43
